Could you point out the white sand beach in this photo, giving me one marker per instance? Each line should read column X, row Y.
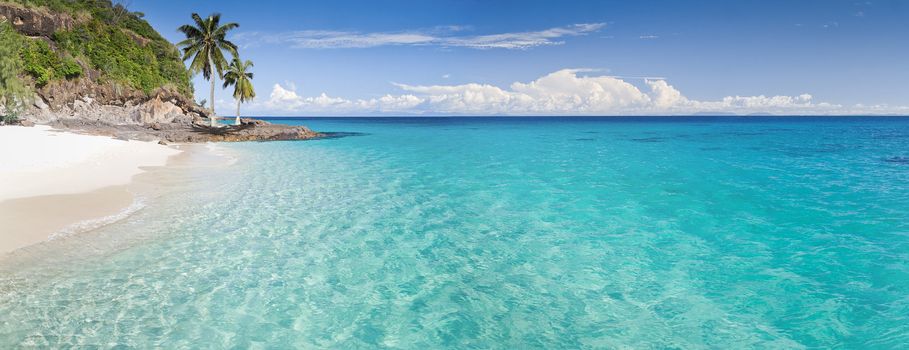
column 50, row 179
column 40, row 161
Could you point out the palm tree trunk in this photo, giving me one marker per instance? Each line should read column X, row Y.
column 212, row 117
column 237, row 122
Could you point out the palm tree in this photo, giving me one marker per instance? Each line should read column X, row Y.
column 240, row 77
column 205, row 43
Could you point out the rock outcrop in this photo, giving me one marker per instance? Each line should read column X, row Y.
column 162, row 118
column 157, row 111
column 35, row 21
column 184, row 133
column 109, row 102
column 104, row 109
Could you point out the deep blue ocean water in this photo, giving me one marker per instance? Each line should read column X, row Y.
column 681, row 232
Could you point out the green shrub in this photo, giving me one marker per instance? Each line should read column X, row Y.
column 106, row 42
column 10, row 119
column 114, row 52
column 13, row 91
column 69, row 69
column 44, row 64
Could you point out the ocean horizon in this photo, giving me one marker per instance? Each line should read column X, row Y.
column 521, row 232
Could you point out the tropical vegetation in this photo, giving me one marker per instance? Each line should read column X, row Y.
column 44, row 65
column 107, row 38
column 13, row 91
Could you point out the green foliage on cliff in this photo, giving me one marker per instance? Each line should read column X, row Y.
column 13, row 92
column 126, row 57
column 110, row 12
column 44, row 64
column 108, row 38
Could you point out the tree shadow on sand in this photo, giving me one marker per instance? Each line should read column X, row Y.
column 338, row 135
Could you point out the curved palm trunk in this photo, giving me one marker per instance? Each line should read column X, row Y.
column 237, row 121
column 213, row 118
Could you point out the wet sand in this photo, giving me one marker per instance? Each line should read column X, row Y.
column 32, row 220
column 28, row 221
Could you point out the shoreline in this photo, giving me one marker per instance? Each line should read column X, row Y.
column 33, row 220
column 178, row 132
column 150, row 190
column 77, row 183
column 41, row 160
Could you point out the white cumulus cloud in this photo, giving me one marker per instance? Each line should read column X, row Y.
column 285, row 100
column 564, row 92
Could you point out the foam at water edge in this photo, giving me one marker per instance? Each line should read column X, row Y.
column 91, row 224
column 222, row 152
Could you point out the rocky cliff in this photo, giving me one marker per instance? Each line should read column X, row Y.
column 35, row 21
column 96, row 67
column 96, row 94
column 109, row 103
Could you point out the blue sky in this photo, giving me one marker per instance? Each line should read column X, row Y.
column 563, row 57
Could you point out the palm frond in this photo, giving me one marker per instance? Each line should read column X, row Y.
column 200, row 23
column 205, row 43
column 229, row 47
column 190, row 31
column 191, row 50
column 218, row 60
column 186, row 42
column 200, row 63
column 213, row 20
column 222, row 30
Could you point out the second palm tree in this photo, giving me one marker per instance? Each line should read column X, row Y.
column 240, row 77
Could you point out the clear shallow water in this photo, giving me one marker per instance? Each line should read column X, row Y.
column 503, row 233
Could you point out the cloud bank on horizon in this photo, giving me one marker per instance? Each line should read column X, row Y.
column 564, row 92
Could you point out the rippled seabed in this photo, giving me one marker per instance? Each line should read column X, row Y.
column 505, row 233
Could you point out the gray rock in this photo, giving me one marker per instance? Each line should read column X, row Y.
column 183, row 132
column 35, row 21
column 157, row 111
column 40, row 104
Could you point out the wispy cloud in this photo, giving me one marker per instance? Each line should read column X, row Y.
column 314, row 39
column 446, row 36
column 649, row 37
column 522, row 40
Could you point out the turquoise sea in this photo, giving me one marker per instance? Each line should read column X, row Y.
column 510, row 233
